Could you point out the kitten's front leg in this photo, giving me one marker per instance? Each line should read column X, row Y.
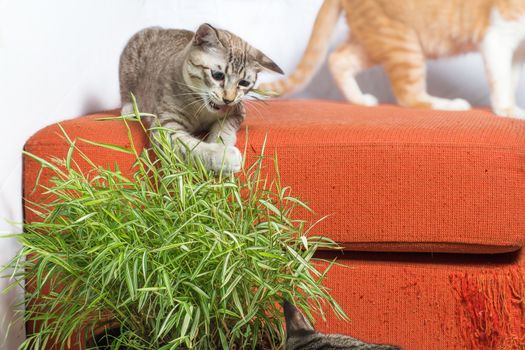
column 498, row 48
column 214, row 156
column 224, row 132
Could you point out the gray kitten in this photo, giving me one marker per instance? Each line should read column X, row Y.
column 194, row 83
column 302, row 336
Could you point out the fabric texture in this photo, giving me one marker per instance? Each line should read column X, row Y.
column 430, row 302
column 387, row 178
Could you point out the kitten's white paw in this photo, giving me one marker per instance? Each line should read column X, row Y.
column 513, row 112
column 127, row 108
column 457, row 104
column 225, row 158
column 367, row 100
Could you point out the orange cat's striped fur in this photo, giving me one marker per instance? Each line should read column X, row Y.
column 401, row 34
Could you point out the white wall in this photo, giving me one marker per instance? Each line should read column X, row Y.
column 58, row 60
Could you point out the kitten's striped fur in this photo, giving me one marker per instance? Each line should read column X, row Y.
column 401, row 34
column 194, row 83
column 302, row 336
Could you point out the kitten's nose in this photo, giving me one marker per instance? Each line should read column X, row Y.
column 226, row 101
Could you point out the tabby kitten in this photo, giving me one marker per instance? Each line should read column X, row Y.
column 401, row 34
column 302, row 336
column 194, row 83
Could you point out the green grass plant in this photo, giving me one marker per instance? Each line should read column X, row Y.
column 177, row 256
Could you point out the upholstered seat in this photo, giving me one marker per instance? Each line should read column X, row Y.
column 388, row 178
column 398, row 185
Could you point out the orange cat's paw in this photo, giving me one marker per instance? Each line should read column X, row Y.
column 366, row 100
column 456, row 104
column 513, row 112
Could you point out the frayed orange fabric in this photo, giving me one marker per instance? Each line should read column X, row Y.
column 490, row 309
column 425, row 302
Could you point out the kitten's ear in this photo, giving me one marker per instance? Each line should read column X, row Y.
column 265, row 62
column 206, row 35
column 295, row 320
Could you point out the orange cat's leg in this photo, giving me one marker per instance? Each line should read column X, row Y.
column 503, row 52
column 517, row 68
column 406, row 67
column 345, row 63
column 500, row 73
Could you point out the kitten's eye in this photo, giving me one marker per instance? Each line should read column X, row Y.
column 219, row 76
column 244, row 83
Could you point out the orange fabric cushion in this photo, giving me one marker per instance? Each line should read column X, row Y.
column 389, row 179
column 428, row 302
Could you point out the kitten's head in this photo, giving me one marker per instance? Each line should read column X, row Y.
column 222, row 67
column 297, row 326
column 300, row 335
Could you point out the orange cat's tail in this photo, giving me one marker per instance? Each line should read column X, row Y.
column 314, row 54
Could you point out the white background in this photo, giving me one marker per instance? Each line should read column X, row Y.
column 59, row 59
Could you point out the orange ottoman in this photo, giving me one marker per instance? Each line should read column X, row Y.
column 408, row 182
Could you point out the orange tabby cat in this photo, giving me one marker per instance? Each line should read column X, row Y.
column 401, row 34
